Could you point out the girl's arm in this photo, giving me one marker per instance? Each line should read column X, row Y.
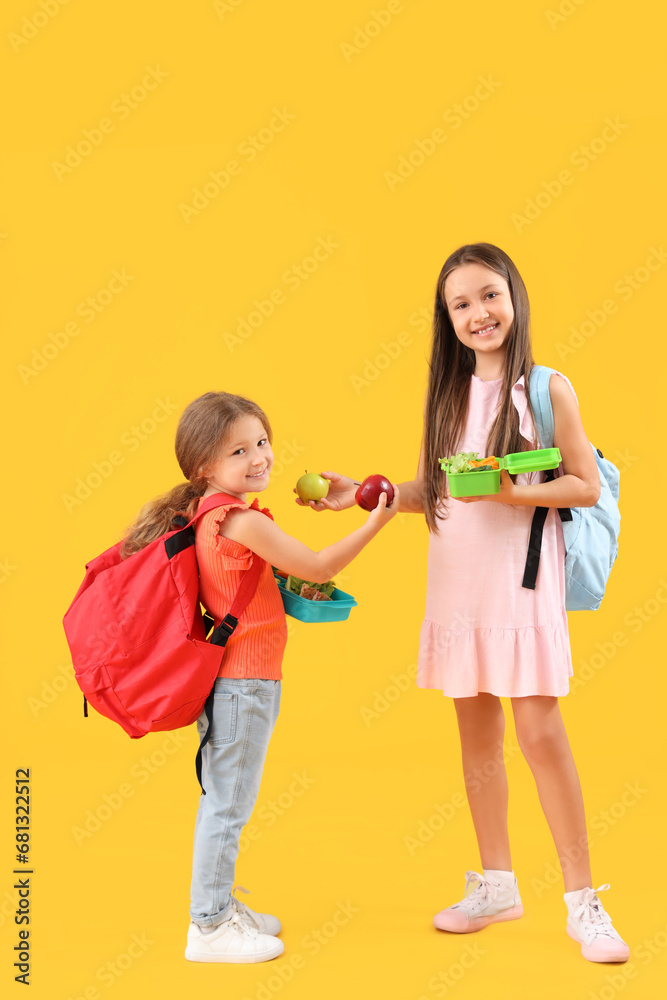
column 412, row 492
column 263, row 536
column 342, row 490
column 579, row 486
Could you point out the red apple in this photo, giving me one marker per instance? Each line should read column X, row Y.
column 368, row 494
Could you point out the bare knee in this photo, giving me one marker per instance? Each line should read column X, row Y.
column 540, row 731
column 543, row 746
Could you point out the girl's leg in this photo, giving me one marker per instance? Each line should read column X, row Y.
column 482, row 726
column 541, row 734
column 244, row 715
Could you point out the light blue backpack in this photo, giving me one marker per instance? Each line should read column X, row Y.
column 590, row 533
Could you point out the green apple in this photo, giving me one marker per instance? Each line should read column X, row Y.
column 312, row 487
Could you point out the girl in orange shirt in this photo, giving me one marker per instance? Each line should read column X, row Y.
column 223, row 445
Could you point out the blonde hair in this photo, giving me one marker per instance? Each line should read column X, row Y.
column 200, row 437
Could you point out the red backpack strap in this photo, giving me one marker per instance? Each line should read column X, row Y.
column 224, row 630
column 210, row 503
column 219, row 637
column 242, row 598
column 249, row 581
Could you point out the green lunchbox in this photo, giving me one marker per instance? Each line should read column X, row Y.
column 480, row 484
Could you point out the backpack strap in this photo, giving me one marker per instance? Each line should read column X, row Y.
column 210, row 503
column 185, row 537
column 540, row 401
column 222, row 633
column 535, row 542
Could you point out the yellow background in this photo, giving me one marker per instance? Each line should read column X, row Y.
column 363, row 94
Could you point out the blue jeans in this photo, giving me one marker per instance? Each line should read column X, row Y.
column 244, row 714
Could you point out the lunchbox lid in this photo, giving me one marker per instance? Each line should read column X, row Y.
column 531, row 461
column 538, row 460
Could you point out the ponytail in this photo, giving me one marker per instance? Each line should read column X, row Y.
column 157, row 516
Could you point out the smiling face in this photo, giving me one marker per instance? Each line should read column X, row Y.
column 245, row 461
column 480, row 308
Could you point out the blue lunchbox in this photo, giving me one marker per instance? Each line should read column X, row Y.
column 305, row 610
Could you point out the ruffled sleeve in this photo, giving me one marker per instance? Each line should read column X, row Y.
column 232, row 555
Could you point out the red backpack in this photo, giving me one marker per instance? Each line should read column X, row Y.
column 138, row 636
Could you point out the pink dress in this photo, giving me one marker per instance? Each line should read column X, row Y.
column 482, row 630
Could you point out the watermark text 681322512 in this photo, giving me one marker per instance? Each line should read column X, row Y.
column 22, row 884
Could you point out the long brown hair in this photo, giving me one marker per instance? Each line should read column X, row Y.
column 451, row 367
column 200, row 438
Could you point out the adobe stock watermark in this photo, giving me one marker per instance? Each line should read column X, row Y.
column 292, row 279
column 285, row 454
column 634, row 621
column 7, row 569
column 581, row 158
column 437, row 641
column 141, row 771
column 445, row 980
column 32, row 24
column 373, row 367
column 224, row 7
column 121, row 108
column 283, row 972
column 601, row 823
column 51, row 689
column 363, row 34
column 247, row 151
column 564, row 11
column 272, row 810
column 115, row 968
column 444, row 812
column 625, row 288
column 382, row 700
column 645, row 953
column 131, row 440
column 88, row 310
column 454, row 117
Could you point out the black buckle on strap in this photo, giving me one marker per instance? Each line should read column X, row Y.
column 224, row 630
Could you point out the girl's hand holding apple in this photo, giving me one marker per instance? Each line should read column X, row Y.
column 340, row 495
column 383, row 513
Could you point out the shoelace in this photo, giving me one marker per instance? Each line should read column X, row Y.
column 241, row 926
column 242, row 911
column 487, row 889
column 591, row 912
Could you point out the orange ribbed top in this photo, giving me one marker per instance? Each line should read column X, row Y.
column 256, row 648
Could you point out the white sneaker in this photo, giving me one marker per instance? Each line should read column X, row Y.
column 590, row 925
column 495, row 898
column 265, row 923
column 233, row 940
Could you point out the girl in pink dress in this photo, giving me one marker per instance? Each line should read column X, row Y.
column 484, row 636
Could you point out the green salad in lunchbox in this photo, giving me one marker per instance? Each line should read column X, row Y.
column 472, row 476
column 313, row 602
